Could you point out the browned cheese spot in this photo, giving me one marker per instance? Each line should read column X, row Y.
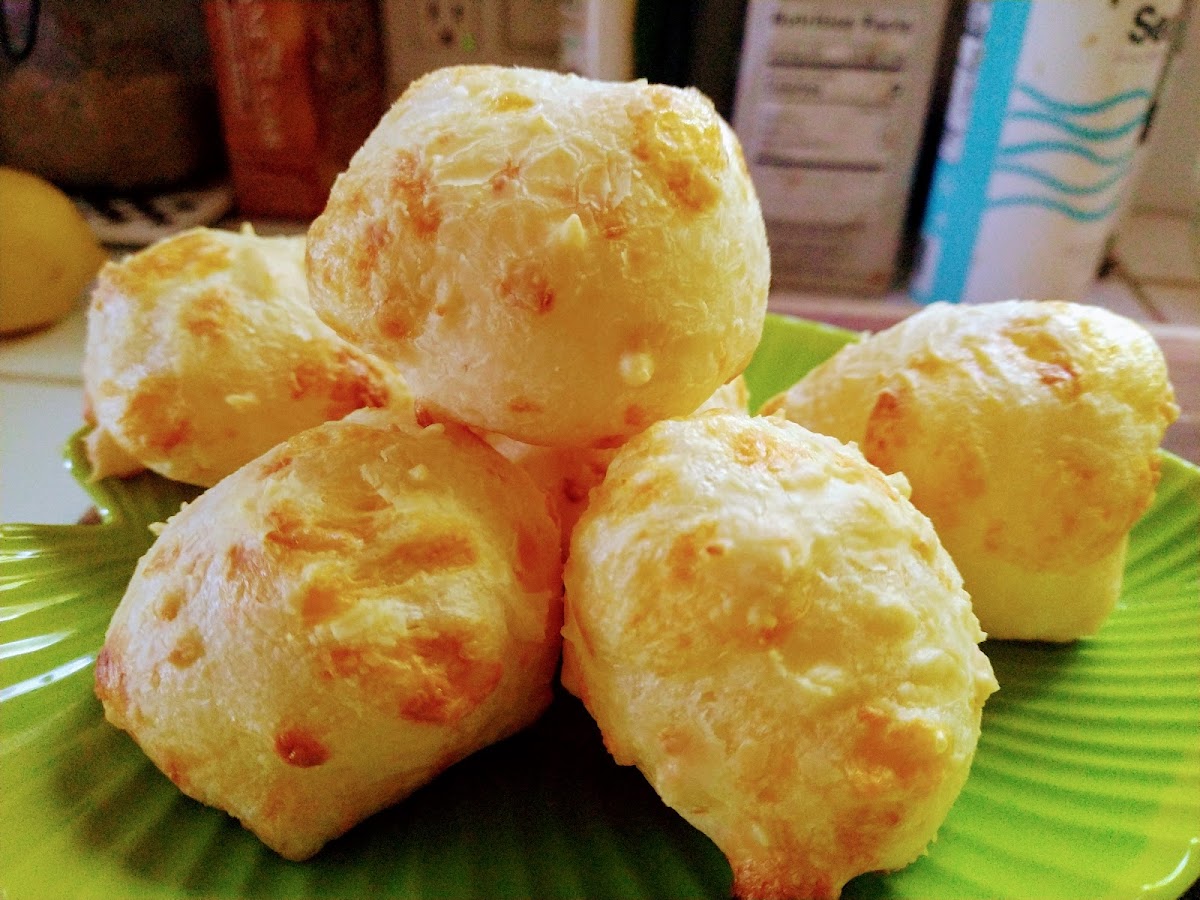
column 346, row 381
column 675, row 741
column 175, row 768
column 994, row 536
column 525, row 286
column 396, row 322
column 888, row 428
column 319, row 604
column 451, row 683
column 303, row 379
column 928, row 364
column 1052, row 361
column 506, row 177
column 298, row 747
column 189, row 257
column 188, row 649
column 427, row 553
column 152, row 418
column 688, row 553
column 274, row 463
column 524, row 405
column 433, row 680
column 649, row 492
column 208, row 315
column 367, row 502
column 411, row 186
column 637, row 416
column 170, row 604
column 611, row 222
column 424, row 415
column 754, row 448
column 775, row 875
column 533, row 568
column 889, row 749
column 374, row 240
column 511, row 101
column 682, row 147
column 163, row 557
column 245, row 565
column 290, row 530
column 968, row 477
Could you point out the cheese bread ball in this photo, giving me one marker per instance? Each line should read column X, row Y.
column 733, row 397
column 560, row 260
column 567, row 474
column 203, row 351
column 337, row 622
column 761, row 622
column 1029, row 432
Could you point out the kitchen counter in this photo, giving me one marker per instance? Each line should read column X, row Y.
column 1155, row 281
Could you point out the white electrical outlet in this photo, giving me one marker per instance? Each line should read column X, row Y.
column 422, row 35
column 449, row 25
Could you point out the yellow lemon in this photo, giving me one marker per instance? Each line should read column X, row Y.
column 48, row 253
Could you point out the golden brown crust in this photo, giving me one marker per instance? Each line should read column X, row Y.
column 203, row 352
column 567, row 475
column 555, row 259
column 1029, row 432
column 733, row 397
column 762, row 623
column 335, row 623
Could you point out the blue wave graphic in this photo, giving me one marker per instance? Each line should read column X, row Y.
column 1063, row 187
column 1081, row 109
column 1080, row 150
column 1067, row 209
column 1084, row 139
column 1081, row 131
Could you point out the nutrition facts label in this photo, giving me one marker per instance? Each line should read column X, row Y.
column 831, row 103
column 831, row 84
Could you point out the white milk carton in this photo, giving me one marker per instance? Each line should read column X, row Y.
column 1048, row 105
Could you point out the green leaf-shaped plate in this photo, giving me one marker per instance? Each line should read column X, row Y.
column 1086, row 783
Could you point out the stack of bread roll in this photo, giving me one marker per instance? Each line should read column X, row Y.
column 516, row 337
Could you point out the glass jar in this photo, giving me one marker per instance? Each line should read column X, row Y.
column 102, row 95
column 300, row 84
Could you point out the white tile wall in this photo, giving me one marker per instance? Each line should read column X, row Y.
column 1157, row 248
column 1178, row 305
column 1168, row 174
column 35, row 421
column 50, row 354
column 41, row 405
